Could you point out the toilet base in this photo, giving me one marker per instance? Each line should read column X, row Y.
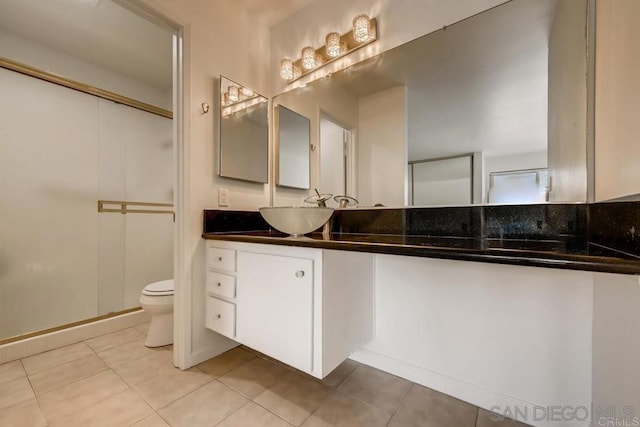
column 160, row 330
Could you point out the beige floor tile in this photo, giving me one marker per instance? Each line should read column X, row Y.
column 11, row 371
column 395, row 423
column 206, row 406
column 429, row 408
column 294, row 398
column 153, row 420
column 127, row 352
column 68, row 373
column 488, row 419
column 161, row 390
column 14, row 392
column 77, row 396
column 378, row 388
column 113, row 339
column 56, row 357
column 227, row 361
column 254, row 377
column 140, row 370
column 340, row 410
column 143, row 328
column 252, row 415
column 123, row 409
column 24, row 414
column 341, row 373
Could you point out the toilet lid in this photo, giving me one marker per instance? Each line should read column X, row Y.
column 164, row 287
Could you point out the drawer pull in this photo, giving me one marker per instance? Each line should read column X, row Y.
column 219, row 284
column 219, row 258
column 219, row 316
column 300, row 273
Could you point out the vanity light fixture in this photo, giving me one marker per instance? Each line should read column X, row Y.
column 236, row 99
column 364, row 31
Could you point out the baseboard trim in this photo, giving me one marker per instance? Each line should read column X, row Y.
column 471, row 393
column 41, row 343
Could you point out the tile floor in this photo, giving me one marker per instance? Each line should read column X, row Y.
column 114, row 380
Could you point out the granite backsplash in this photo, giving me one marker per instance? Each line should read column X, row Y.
column 601, row 229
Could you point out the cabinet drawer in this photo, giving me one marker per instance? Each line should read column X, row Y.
column 221, row 284
column 221, row 259
column 221, row 317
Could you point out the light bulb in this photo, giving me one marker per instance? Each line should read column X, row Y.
column 308, row 58
column 361, row 28
column 233, row 93
column 333, row 44
column 286, row 69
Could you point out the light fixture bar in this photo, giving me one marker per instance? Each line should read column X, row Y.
column 348, row 45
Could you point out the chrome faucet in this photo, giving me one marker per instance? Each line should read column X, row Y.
column 319, row 199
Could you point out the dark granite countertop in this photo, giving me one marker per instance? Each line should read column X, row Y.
column 523, row 252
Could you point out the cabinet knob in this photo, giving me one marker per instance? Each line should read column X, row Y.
column 219, row 316
column 219, row 258
column 300, row 273
column 219, row 284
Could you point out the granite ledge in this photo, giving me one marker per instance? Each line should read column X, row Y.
column 455, row 249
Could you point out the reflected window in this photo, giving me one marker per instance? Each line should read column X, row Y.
column 524, row 186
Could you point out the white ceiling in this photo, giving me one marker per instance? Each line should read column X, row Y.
column 478, row 85
column 105, row 34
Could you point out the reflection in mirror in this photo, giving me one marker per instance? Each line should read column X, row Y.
column 293, row 149
column 244, row 133
column 507, row 85
column 445, row 181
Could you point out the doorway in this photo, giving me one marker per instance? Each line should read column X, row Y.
column 88, row 134
column 337, row 171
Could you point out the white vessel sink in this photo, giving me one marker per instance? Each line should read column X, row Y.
column 296, row 221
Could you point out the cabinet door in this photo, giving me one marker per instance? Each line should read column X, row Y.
column 275, row 307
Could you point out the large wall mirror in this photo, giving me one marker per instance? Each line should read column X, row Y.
column 505, row 89
column 244, row 133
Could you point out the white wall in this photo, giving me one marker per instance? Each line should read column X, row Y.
column 382, row 148
column 617, row 99
column 568, row 102
column 399, row 21
column 36, row 55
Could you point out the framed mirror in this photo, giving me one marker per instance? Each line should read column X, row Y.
column 293, row 132
column 244, row 133
column 507, row 86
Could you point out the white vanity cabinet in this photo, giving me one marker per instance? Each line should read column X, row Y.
column 309, row 308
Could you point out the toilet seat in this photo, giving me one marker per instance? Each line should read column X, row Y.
column 162, row 288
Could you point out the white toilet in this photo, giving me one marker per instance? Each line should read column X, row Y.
column 157, row 300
